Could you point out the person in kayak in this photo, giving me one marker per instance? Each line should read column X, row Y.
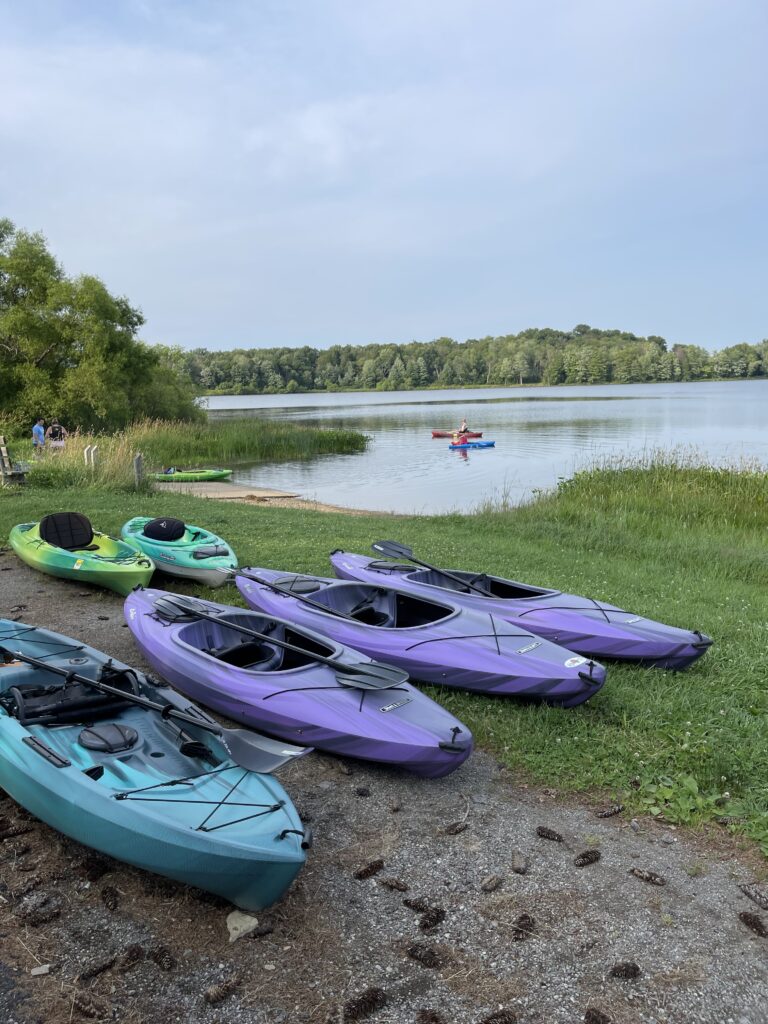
column 38, row 435
column 464, row 427
column 56, row 434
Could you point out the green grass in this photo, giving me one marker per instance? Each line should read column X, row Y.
column 182, row 444
column 679, row 543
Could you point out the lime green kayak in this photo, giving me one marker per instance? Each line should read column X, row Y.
column 191, row 475
column 64, row 544
column 180, row 549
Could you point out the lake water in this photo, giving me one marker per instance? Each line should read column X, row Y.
column 541, row 434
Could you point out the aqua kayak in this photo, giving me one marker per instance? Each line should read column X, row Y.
column 131, row 782
column 180, row 549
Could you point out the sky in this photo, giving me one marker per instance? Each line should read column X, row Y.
column 323, row 172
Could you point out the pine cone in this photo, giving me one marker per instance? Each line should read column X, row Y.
column 609, row 812
column 369, row 870
column 626, row 969
column 648, row 876
column 548, row 833
column 587, row 857
column 753, row 922
column 368, row 1002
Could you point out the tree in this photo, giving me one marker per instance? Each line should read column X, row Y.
column 69, row 348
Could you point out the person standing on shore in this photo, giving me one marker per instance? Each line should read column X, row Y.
column 56, row 435
column 38, row 435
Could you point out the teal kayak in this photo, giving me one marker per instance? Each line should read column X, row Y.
column 181, row 549
column 472, row 444
column 132, row 783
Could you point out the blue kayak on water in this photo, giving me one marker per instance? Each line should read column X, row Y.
column 136, row 784
column 472, row 444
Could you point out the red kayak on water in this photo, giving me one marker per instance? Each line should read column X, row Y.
column 450, row 433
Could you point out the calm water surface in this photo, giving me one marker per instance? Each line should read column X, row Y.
column 541, row 435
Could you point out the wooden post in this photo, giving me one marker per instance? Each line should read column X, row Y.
column 138, row 470
column 86, row 454
column 94, row 456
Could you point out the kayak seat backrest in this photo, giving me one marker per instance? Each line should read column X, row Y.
column 109, row 738
column 437, row 579
column 413, row 611
column 248, row 654
column 69, row 530
column 166, row 529
column 51, row 705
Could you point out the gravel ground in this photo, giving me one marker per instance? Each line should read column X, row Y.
column 126, row 946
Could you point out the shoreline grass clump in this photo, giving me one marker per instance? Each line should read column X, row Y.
column 181, row 443
column 669, row 540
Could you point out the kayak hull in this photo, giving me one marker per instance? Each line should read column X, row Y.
column 462, row 649
column 472, row 444
column 192, row 475
column 305, row 704
column 119, row 803
column 181, row 557
column 587, row 627
column 114, row 565
column 450, row 433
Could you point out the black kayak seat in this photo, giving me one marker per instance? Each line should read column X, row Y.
column 165, row 528
column 71, row 531
column 32, row 704
column 108, row 738
column 248, row 654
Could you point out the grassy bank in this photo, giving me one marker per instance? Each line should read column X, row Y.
column 166, row 443
column 682, row 544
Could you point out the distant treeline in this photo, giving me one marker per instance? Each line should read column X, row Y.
column 584, row 355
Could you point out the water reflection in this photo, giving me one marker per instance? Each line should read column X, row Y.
column 541, row 435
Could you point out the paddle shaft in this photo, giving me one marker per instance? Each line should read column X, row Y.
column 166, row 710
column 299, row 597
column 404, row 553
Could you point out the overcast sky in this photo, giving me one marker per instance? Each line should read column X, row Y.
column 275, row 172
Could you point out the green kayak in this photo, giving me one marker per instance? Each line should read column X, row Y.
column 181, row 549
column 64, row 544
column 191, row 475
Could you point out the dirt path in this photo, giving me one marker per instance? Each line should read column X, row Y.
column 146, row 950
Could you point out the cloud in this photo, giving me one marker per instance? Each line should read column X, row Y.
column 407, row 169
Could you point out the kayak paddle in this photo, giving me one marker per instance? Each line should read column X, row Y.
column 252, row 751
column 392, row 549
column 362, row 675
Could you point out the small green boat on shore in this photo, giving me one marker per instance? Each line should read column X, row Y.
column 191, row 475
column 64, row 544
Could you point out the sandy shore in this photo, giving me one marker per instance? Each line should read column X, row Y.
column 125, row 946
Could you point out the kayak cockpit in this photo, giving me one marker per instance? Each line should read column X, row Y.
column 227, row 644
column 380, row 606
column 471, row 583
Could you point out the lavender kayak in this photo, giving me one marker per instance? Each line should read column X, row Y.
column 290, row 696
column 581, row 624
column 433, row 640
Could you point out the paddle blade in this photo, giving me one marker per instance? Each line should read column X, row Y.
column 259, row 753
column 371, row 675
column 391, row 549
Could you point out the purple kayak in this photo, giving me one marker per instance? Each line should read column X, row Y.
column 434, row 640
column 287, row 694
column 581, row 624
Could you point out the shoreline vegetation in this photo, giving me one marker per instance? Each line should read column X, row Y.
column 450, row 387
column 181, row 443
column 584, row 355
column 665, row 537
